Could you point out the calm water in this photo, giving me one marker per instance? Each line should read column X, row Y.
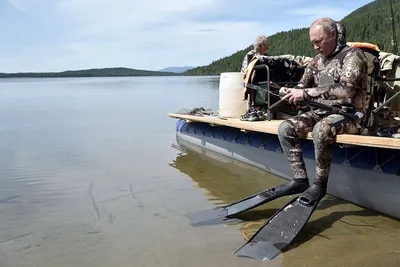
column 91, row 175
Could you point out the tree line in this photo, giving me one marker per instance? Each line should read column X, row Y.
column 106, row 72
column 370, row 23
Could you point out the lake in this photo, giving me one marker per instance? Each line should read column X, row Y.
column 91, row 175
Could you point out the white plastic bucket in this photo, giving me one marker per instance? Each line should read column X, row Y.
column 231, row 94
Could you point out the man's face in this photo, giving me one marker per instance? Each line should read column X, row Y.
column 323, row 42
column 262, row 48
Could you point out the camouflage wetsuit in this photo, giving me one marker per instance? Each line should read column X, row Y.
column 338, row 79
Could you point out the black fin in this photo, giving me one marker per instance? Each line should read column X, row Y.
column 282, row 227
column 218, row 215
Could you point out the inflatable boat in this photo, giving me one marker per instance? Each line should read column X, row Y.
column 365, row 169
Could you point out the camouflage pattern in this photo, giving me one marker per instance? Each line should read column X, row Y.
column 339, row 79
column 324, row 128
column 334, row 81
column 301, row 60
column 247, row 58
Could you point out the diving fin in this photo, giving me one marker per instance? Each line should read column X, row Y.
column 282, row 227
column 217, row 215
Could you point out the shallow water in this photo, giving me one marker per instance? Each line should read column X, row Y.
column 91, row 175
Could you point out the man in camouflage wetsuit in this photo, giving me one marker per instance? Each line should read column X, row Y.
column 337, row 76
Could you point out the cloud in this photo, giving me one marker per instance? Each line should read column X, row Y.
column 72, row 34
column 207, row 30
column 148, row 35
column 181, row 32
column 315, row 12
column 106, row 17
column 191, row 42
column 18, row 4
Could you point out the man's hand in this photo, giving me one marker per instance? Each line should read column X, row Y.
column 284, row 90
column 293, row 95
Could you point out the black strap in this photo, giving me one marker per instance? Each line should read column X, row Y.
column 342, row 53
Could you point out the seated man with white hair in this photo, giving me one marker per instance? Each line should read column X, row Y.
column 261, row 47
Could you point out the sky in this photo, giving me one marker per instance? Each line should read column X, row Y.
column 58, row 35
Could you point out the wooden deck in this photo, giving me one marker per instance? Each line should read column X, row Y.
column 271, row 127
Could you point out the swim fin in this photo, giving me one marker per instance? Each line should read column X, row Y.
column 217, row 215
column 282, row 227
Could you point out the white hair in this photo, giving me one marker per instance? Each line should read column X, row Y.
column 262, row 39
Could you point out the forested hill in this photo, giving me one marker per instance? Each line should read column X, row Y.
column 370, row 23
column 106, row 72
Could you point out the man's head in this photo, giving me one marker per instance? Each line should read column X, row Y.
column 323, row 34
column 261, row 44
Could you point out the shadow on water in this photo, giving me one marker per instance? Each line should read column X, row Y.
column 317, row 227
column 226, row 180
column 256, row 215
column 255, row 219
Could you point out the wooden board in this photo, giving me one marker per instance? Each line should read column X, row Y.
column 271, row 127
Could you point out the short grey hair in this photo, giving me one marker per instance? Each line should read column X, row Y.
column 262, row 39
column 327, row 24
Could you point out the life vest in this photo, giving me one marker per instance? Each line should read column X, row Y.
column 364, row 45
column 248, row 78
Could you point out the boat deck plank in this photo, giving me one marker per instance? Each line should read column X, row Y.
column 271, row 127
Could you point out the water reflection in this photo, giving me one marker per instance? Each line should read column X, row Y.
column 338, row 230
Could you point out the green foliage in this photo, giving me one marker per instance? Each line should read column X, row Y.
column 106, row 72
column 370, row 23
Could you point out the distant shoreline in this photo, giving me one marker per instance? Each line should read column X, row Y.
column 177, row 75
column 105, row 72
column 2, row 76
